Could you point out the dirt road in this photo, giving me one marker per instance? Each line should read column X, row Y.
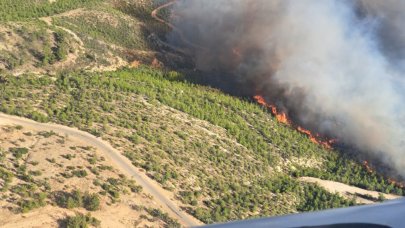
column 160, row 196
column 154, row 14
column 116, row 62
column 347, row 191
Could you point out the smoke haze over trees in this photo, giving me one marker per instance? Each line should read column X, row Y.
column 336, row 67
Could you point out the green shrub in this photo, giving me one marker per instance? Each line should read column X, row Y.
column 79, row 173
column 68, row 156
column 69, row 200
column 35, row 172
column 91, row 202
column 6, row 175
column 46, row 134
column 164, row 217
column 18, row 152
column 81, row 221
column 39, row 200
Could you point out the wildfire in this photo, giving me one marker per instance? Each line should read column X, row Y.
column 317, row 138
column 396, row 183
column 308, row 133
column 368, row 167
column 259, row 99
column 282, row 118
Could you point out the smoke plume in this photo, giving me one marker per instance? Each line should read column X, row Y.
column 335, row 66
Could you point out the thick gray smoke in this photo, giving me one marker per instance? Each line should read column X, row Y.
column 335, row 66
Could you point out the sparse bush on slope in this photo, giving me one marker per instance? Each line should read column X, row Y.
column 80, row 221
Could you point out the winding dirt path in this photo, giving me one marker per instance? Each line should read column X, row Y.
column 48, row 21
column 156, row 17
column 71, row 57
column 162, row 197
column 115, row 62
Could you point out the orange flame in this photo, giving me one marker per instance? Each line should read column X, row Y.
column 282, row 118
column 368, row 167
column 259, row 99
column 308, row 133
column 315, row 138
column 396, row 183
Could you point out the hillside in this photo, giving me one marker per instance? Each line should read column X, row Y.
column 102, row 66
column 51, row 178
column 212, row 150
column 92, row 35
